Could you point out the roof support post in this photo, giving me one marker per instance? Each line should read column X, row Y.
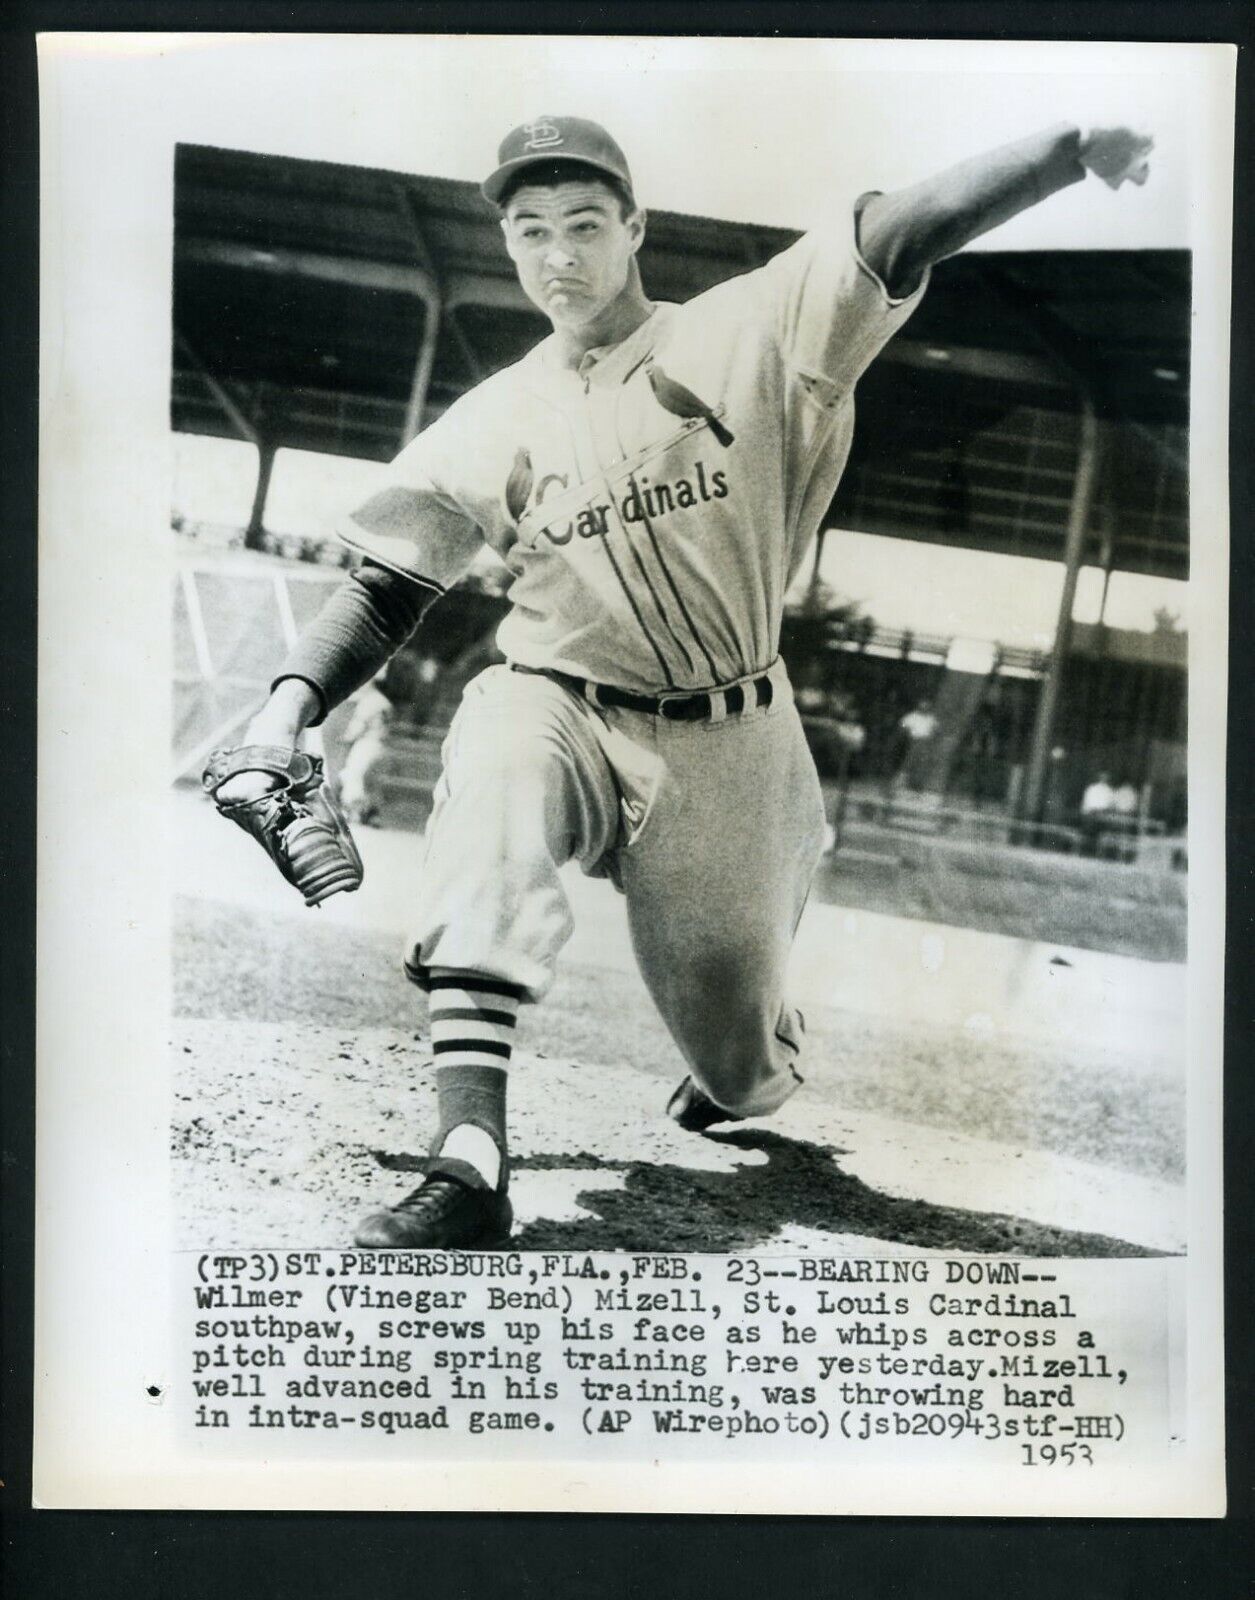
column 423, row 364
column 256, row 521
column 431, row 292
column 812, row 591
column 219, row 390
column 1034, row 791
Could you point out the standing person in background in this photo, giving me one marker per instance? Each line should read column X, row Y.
column 367, row 739
column 400, row 696
column 915, row 730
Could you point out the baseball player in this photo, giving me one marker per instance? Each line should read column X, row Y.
column 651, row 474
column 367, row 739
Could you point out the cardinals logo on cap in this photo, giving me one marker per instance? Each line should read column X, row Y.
column 542, row 135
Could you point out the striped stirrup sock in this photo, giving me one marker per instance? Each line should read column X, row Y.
column 472, row 1035
column 472, row 1019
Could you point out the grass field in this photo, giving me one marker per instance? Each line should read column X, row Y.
column 1023, row 894
column 1079, row 901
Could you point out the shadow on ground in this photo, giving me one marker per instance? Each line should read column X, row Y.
column 666, row 1207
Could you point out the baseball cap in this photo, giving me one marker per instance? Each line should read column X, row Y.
column 556, row 139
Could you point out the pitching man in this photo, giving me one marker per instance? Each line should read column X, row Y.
column 652, row 475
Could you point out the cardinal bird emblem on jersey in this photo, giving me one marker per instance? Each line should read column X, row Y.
column 518, row 486
column 682, row 402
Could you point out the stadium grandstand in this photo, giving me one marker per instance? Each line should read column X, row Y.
column 1036, row 406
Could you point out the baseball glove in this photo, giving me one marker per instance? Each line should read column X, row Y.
column 297, row 822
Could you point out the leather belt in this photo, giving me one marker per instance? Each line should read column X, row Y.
column 755, row 694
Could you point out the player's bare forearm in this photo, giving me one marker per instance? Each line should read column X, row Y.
column 903, row 233
column 293, row 705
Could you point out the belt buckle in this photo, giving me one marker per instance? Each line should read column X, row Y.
column 678, row 707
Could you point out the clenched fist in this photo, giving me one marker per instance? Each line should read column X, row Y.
column 1114, row 154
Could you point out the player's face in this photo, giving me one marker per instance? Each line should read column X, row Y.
column 572, row 249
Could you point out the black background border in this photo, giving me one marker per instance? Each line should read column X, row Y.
column 173, row 1555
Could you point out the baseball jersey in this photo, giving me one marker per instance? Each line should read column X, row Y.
column 654, row 503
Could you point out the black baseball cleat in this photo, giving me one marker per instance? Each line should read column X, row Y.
column 695, row 1111
column 444, row 1213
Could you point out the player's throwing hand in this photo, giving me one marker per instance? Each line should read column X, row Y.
column 1114, row 154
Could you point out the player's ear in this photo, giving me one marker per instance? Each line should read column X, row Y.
column 504, row 225
column 635, row 224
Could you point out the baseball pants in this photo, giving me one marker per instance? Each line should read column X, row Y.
column 711, row 829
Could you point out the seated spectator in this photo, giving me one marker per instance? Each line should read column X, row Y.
column 1097, row 804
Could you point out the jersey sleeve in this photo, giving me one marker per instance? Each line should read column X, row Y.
column 833, row 314
column 416, row 522
column 362, row 625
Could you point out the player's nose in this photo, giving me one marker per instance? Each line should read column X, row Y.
column 558, row 256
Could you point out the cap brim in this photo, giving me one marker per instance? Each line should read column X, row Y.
column 494, row 185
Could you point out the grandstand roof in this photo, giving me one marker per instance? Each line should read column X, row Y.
column 303, row 290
